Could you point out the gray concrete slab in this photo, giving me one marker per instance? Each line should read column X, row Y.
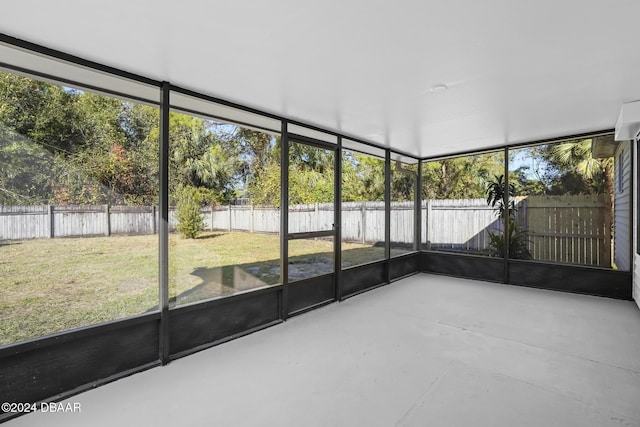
column 424, row 351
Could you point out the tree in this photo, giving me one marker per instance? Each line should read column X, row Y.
column 264, row 190
column 308, row 186
column 524, row 185
column 311, row 174
column 362, row 178
column 216, row 170
column 461, row 177
column 81, row 147
column 41, row 112
column 201, row 158
column 573, row 170
column 25, row 172
column 403, row 181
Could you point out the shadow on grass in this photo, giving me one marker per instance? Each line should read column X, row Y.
column 208, row 236
column 9, row 242
column 231, row 279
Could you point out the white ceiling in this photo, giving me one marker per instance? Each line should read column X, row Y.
column 517, row 71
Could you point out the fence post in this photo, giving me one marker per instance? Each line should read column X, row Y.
column 211, row 215
column 51, row 221
column 107, row 222
column 363, row 222
column 251, row 226
column 427, row 227
column 229, row 218
column 605, row 255
column 154, row 222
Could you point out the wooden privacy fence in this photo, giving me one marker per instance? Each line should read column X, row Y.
column 32, row 222
column 575, row 229
column 460, row 225
column 362, row 221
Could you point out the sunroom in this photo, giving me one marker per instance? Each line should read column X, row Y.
column 233, row 178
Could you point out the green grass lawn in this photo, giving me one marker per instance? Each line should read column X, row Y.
column 52, row 285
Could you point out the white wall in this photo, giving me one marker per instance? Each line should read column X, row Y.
column 622, row 206
column 636, row 257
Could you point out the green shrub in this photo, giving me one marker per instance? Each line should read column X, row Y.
column 518, row 243
column 189, row 215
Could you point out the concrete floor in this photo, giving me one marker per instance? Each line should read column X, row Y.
column 425, row 351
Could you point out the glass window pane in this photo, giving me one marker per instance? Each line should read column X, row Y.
column 457, row 215
column 224, row 195
column 403, row 185
column 571, row 202
column 636, row 207
column 311, row 188
column 363, row 219
column 310, row 258
column 83, row 165
column 311, row 210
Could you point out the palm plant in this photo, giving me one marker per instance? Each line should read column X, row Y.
column 518, row 239
column 577, row 156
column 496, row 194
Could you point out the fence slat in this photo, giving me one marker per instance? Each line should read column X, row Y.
column 571, row 229
column 575, row 229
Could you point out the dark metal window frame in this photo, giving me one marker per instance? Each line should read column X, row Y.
column 156, row 327
column 572, row 277
column 304, row 287
column 166, row 88
column 417, row 210
column 635, row 205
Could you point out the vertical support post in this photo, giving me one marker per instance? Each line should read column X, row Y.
column 154, row 220
column 635, row 206
column 428, row 225
column 252, row 225
column 363, row 223
column 163, row 231
column 631, row 191
column 50, row 215
column 284, row 221
column 636, row 219
column 387, row 213
column 107, row 221
column 418, row 210
column 230, row 228
column 506, row 215
column 337, row 219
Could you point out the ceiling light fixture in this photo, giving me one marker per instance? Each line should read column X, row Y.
column 441, row 87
